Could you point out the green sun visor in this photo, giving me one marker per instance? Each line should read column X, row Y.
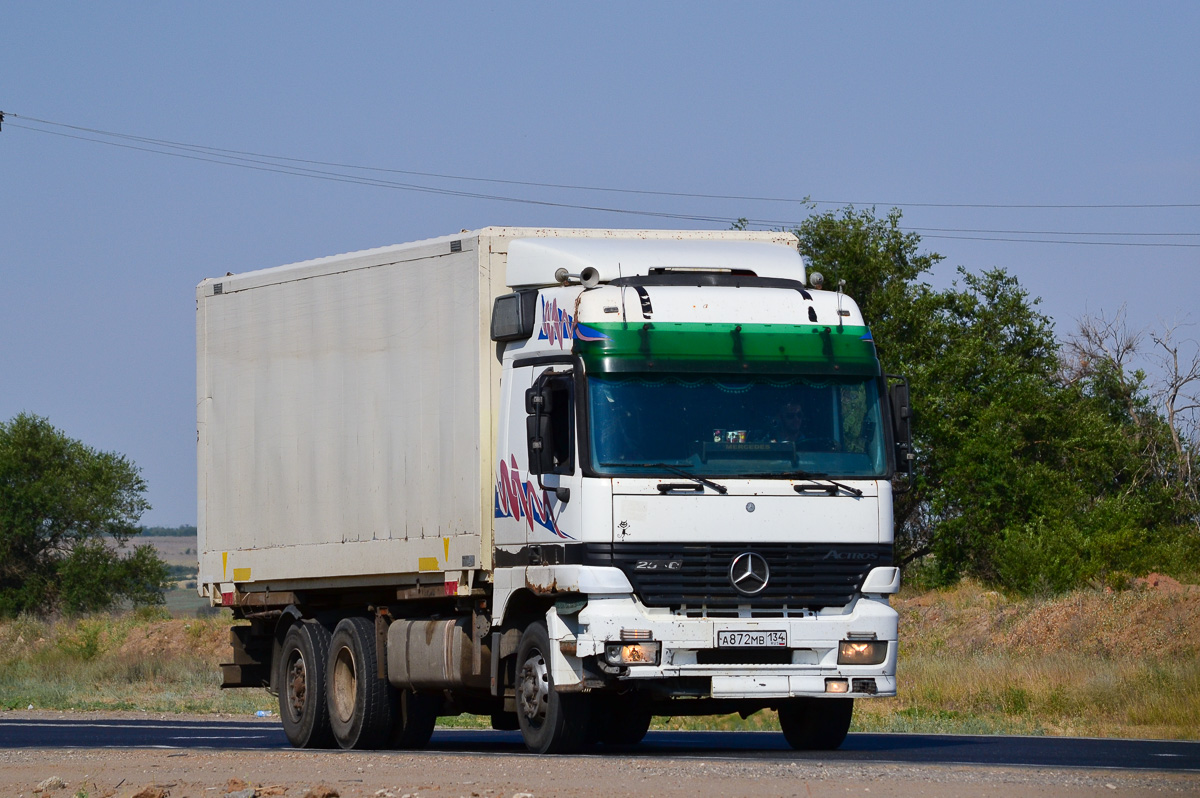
column 749, row 348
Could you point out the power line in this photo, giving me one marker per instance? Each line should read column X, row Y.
column 1039, row 232
column 576, row 187
column 366, row 181
column 1081, row 243
column 270, row 163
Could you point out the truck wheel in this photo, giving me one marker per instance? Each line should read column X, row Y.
column 816, row 724
column 551, row 722
column 617, row 720
column 626, row 724
column 362, row 707
column 416, row 715
column 301, row 680
column 505, row 721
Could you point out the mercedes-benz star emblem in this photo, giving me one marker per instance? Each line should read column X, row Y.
column 749, row 573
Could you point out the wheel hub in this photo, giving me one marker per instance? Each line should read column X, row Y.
column 533, row 688
column 297, row 686
column 344, row 690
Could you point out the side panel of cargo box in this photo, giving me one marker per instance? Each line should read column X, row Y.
column 344, row 414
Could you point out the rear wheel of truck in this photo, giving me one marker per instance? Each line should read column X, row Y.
column 551, row 722
column 816, row 724
column 362, row 706
column 301, row 681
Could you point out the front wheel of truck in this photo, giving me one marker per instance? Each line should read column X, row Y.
column 551, row 722
column 618, row 720
column 816, row 724
column 301, row 681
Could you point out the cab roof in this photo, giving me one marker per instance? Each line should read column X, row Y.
column 534, row 261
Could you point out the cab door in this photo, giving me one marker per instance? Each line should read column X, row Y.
column 538, row 502
column 551, row 408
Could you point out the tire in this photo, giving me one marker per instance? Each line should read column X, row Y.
column 627, row 725
column 816, row 724
column 362, row 707
column 505, row 721
column 551, row 722
column 618, row 720
column 301, row 679
column 416, row 715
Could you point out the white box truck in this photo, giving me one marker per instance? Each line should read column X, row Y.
column 570, row 479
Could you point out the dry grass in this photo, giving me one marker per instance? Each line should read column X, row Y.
column 1089, row 663
column 141, row 661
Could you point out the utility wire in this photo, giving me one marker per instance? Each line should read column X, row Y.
column 573, row 187
column 1082, row 243
column 367, row 181
column 1038, row 232
column 269, row 163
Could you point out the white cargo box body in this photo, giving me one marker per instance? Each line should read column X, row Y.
column 346, row 412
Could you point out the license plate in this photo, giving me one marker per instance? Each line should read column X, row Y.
column 754, row 639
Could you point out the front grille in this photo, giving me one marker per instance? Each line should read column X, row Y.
column 695, row 576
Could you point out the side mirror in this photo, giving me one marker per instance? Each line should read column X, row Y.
column 545, row 416
column 898, row 396
column 539, row 433
column 541, row 443
column 539, row 400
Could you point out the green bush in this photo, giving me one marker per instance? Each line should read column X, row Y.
column 66, row 512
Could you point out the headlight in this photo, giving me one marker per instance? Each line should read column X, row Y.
column 862, row 652
column 626, row 653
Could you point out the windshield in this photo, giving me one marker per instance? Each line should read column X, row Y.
column 734, row 425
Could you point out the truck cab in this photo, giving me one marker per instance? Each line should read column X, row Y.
column 695, row 462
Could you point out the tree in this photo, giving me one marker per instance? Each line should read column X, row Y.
column 1033, row 474
column 67, row 512
column 1178, row 393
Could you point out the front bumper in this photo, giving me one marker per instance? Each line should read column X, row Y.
column 689, row 649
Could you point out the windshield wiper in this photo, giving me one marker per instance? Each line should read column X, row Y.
column 708, row 483
column 831, row 487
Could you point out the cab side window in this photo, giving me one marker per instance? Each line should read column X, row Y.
column 562, row 422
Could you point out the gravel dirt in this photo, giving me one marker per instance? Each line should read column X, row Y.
column 142, row 773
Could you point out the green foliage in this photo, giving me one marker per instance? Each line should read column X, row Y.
column 1027, row 480
column 66, row 513
column 181, row 531
column 86, row 642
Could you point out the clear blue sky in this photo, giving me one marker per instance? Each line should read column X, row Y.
column 1012, row 103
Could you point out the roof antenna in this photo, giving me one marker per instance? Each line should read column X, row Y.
column 620, row 277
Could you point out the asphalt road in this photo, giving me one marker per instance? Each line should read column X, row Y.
column 939, row 749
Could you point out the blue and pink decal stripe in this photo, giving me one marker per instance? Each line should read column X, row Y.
column 519, row 499
column 558, row 326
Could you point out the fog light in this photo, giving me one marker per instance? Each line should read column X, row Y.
column 867, row 686
column 862, row 652
column 632, row 653
column 837, row 686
